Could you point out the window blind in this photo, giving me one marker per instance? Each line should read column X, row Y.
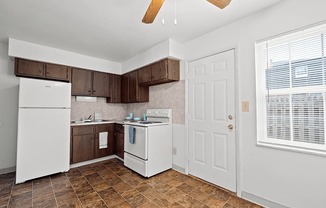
column 293, row 79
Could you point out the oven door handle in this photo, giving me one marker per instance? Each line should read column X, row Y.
column 139, row 147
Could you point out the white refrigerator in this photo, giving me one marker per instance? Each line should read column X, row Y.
column 43, row 139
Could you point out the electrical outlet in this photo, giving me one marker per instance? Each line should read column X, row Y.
column 245, row 106
column 174, row 150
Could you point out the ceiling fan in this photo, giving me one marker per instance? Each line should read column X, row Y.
column 156, row 5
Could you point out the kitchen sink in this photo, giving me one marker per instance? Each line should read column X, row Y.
column 90, row 121
column 101, row 120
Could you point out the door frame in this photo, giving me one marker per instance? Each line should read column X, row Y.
column 237, row 113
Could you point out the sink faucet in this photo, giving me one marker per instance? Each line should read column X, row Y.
column 90, row 117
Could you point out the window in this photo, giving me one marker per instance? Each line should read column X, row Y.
column 291, row 90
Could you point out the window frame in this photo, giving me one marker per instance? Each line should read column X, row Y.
column 261, row 92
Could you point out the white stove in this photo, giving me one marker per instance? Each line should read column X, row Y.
column 148, row 144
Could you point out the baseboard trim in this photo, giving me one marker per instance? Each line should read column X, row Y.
column 179, row 169
column 261, row 201
column 119, row 158
column 7, row 170
column 76, row 165
column 13, row 169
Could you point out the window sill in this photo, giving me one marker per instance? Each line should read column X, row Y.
column 292, row 148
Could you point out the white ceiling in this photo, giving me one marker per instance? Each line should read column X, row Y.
column 112, row 29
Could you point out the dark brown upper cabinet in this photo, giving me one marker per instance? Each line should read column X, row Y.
column 131, row 91
column 29, row 68
column 101, row 83
column 58, row 72
column 35, row 69
column 125, row 88
column 167, row 70
column 115, row 89
column 90, row 83
column 145, row 74
column 164, row 71
column 81, row 82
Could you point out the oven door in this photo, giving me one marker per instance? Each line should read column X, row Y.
column 139, row 148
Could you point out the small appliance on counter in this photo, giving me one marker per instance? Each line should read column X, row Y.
column 148, row 144
column 43, row 140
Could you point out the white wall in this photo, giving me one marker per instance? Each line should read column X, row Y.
column 286, row 178
column 32, row 51
column 8, row 110
column 167, row 48
column 151, row 55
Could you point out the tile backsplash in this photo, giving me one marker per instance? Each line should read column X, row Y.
column 170, row 95
column 81, row 110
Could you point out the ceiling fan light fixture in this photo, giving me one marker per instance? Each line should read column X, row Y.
column 153, row 8
column 220, row 3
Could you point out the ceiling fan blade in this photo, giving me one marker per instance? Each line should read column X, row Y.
column 152, row 11
column 220, row 3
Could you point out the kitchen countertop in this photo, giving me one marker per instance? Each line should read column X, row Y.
column 80, row 123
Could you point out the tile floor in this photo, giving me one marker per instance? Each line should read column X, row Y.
column 110, row 184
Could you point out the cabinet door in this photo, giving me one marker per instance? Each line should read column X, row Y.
column 173, row 70
column 145, row 74
column 159, row 70
column 143, row 94
column 57, row 72
column 82, row 148
column 29, row 68
column 116, row 89
column 104, row 151
column 101, row 84
column 81, row 82
column 125, row 88
column 109, row 149
column 119, row 145
column 133, row 87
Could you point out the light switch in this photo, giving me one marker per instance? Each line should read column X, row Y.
column 245, row 106
column 174, row 151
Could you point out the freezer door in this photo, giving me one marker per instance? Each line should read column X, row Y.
column 139, row 148
column 43, row 142
column 36, row 93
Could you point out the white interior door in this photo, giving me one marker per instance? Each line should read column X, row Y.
column 212, row 152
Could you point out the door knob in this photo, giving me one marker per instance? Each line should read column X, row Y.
column 230, row 126
column 230, row 117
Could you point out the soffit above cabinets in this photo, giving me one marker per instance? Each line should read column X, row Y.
column 112, row 30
